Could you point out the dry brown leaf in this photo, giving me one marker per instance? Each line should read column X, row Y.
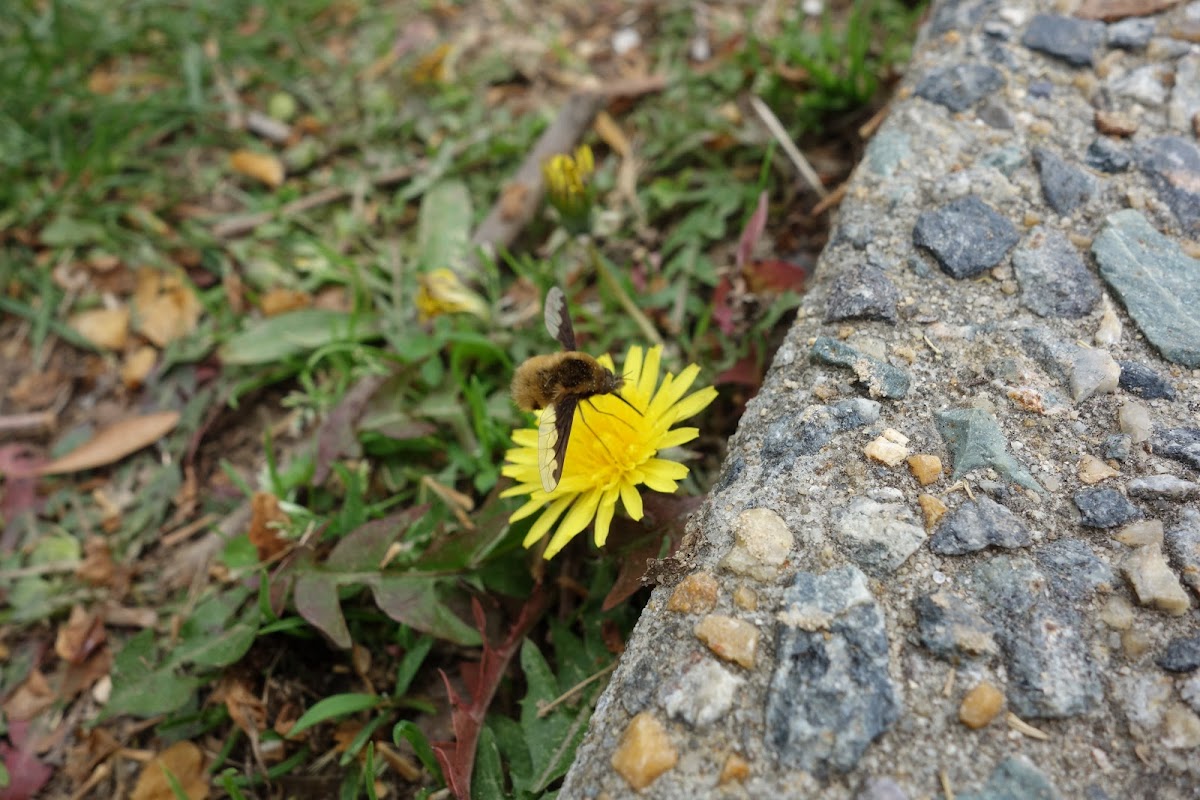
column 265, row 517
column 263, row 167
column 245, row 708
column 31, row 698
column 79, row 636
column 166, row 308
column 104, row 327
column 286, row 719
column 185, row 762
column 137, row 366
column 611, row 133
column 114, row 443
column 279, row 301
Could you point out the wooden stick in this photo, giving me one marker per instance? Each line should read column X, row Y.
column 19, row 424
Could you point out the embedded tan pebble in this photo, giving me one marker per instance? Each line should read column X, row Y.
column 1135, row 643
column 1143, row 532
column 645, row 751
column 980, row 706
column 761, row 544
column 905, row 352
column 746, row 598
column 736, row 769
column 1181, row 728
column 1093, row 470
column 1114, row 123
column 732, row 639
column 824, row 392
column 1108, row 332
column 1117, row 613
column 925, row 468
column 885, row 452
column 695, row 594
column 934, row 510
column 1134, row 421
column 1153, row 581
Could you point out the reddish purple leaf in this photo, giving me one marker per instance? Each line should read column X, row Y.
column 26, row 774
column 752, row 232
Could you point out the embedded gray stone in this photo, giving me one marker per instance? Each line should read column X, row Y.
column 1144, row 382
column 830, row 695
column 975, row 440
column 1184, row 104
column 864, row 293
column 961, row 86
column 1155, row 280
column 1055, row 282
column 976, row 525
column 1086, row 371
column 878, row 536
column 790, row 437
column 1065, row 187
column 703, row 695
column 1167, row 486
column 1182, row 654
column 1132, row 33
column 1181, row 444
column 1173, row 165
column 1105, row 508
column 1182, row 544
column 1074, row 568
column 966, row 236
column 1143, row 84
column 1015, row 778
column 887, row 151
column 1117, row 445
column 951, row 627
column 1072, row 40
column 1107, row 156
column 880, row 377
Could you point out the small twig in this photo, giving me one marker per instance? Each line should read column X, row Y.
column 23, row 424
column 830, row 200
column 631, row 308
column 772, row 123
column 868, row 128
column 562, row 698
column 947, row 789
column 34, row 570
column 1021, row 726
column 244, row 223
column 268, row 127
column 187, row 531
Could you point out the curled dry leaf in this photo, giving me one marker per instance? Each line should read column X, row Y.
column 265, row 518
column 114, row 443
column 79, row 636
column 263, row 167
column 245, row 708
column 185, row 762
column 137, row 366
column 279, row 301
column 104, row 327
column 166, row 308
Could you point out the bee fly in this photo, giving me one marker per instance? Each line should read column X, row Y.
column 557, row 383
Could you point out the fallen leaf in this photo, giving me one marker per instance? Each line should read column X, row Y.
column 279, row 301
column 753, row 231
column 245, row 708
column 26, row 775
column 31, row 698
column 103, row 327
column 265, row 518
column 137, row 366
column 1113, row 10
column 185, row 762
column 114, row 443
column 611, row 133
column 263, row 167
column 165, row 307
column 79, row 636
column 773, row 276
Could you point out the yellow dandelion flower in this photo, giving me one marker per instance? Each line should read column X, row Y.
column 441, row 291
column 567, row 185
column 613, row 449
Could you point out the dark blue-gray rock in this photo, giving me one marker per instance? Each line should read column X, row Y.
column 1074, row 570
column 961, row 86
column 1131, row 34
column 1075, row 41
column 1051, row 674
column 976, row 525
column 1164, row 486
column 995, row 114
column 1155, row 280
column 880, row 377
column 878, row 536
column 1086, row 371
column 1041, row 90
column 1065, row 187
column 887, row 151
column 1055, row 282
column 1182, row 654
column 952, row 628
column 1173, row 165
column 1107, row 156
column 1182, row 546
column 1117, row 445
column 862, row 293
column 1144, row 382
column 790, row 437
column 1105, row 508
column 966, row 237
column 957, row 15
column 830, row 695
column 975, row 440
column 1181, row 444
column 881, row 789
column 1015, row 778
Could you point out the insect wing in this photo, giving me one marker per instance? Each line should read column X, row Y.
column 558, row 321
column 554, row 431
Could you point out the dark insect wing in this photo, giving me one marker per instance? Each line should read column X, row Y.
column 558, row 321
column 554, row 431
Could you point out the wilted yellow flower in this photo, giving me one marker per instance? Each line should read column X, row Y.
column 612, row 450
column 567, row 186
column 442, row 292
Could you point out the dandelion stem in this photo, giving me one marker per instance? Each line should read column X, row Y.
column 601, row 266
